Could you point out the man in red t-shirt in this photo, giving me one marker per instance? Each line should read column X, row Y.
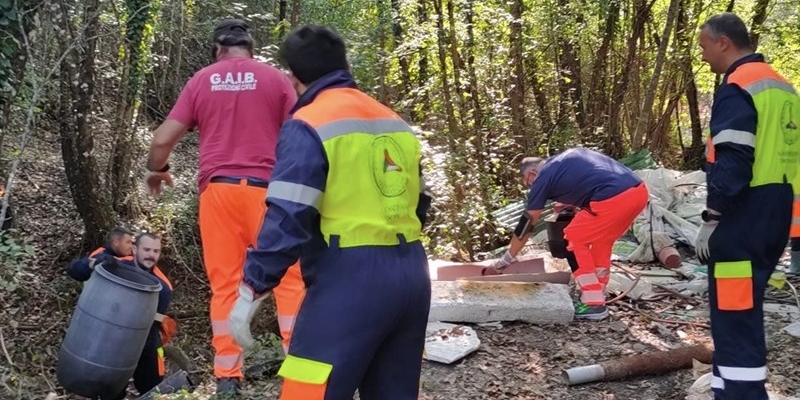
column 238, row 105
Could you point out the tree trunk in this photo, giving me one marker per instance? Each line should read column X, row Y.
column 77, row 143
column 140, row 14
column 548, row 126
column 458, row 64
column 613, row 145
column 452, row 123
column 516, row 101
column 646, row 110
column 397, row 34
column 18, row 59
column 282, row 6
column 692, row 155
column 597, row 92
column 570, row 68
column 759, row 16
column 296, row 7
column 383, row 88
column 420, row 113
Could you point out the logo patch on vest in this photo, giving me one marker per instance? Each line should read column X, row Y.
column 389, row 166
column 788, row 124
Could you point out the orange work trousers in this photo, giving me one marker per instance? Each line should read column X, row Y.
column 230, row 220
column 591, row 236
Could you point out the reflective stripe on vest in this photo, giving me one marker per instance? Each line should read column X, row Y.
column 776, row 144
column 372, row 189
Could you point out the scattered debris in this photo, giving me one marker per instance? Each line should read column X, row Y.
column 179, row 381
column 793, row 329
column 640, row 364
column 448, row 343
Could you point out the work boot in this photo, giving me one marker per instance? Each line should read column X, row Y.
column 794, row 267
column 228, row 386
column 590, row 313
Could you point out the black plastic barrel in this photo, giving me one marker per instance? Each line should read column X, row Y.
column 555, row 234
column 108, row 331
column 555, row 238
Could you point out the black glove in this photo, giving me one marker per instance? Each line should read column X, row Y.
column 105, row 259
column 423, row 206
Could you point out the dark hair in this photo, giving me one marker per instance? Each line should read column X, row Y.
column 145, row 235
column 312, row 52
column 730, row 25
column 118, row 233
column 529, row 162
column 232, row 33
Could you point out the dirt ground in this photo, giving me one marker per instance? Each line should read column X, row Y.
column 523, row 361
column 515, row 360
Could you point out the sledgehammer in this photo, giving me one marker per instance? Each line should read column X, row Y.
column 658, row 362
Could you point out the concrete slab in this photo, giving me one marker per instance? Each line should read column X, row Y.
column 533, row 302
column 448, row 343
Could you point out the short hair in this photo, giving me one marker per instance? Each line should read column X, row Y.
column 730, row 25
column 118, row 233
column 145, row 235
column 529, row 162
column 313, row 51
column 232, row 33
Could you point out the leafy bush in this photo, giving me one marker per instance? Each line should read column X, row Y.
column 15, row 258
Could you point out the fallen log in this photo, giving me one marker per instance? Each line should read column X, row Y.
column 653, row 363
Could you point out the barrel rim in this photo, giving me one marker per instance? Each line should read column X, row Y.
column 155, row 287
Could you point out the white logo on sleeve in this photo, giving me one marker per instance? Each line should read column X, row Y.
column 233, row 82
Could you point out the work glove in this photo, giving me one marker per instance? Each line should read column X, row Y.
column 504, row 261
column 242, row 315
column 701, row 243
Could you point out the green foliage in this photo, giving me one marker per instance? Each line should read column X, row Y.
column 177, row 218
column 14, row 259
column 10, row 33
column 139, row 29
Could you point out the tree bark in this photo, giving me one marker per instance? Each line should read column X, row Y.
column 296, row 8
column 452, row 123
column 569, row 69
column 516, row 101
column 77, row 142
column 402, row 59
column 140, row 13
column 646, row 110
column 759, row 16
column 684, row 32
column 597, row 92
column 282, row 7
column 613, row 140
column 422, row 65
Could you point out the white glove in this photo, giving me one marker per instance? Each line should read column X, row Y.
column 242, row 314
column 701, row 243
column 505, row 261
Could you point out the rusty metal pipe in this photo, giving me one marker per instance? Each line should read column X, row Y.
column 658, row 362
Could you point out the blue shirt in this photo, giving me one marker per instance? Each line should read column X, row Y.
column 579, row 176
